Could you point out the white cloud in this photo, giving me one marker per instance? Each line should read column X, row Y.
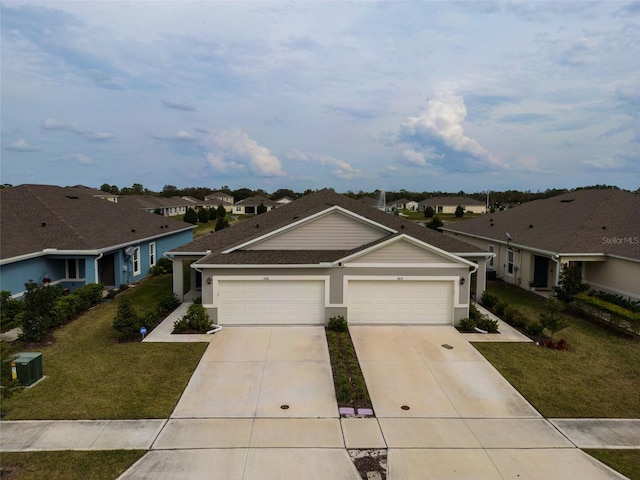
column 82, row 158
column 180, row 136
column 234, row 150
column 22, row 146
column 341, row 169
column 439, row 127
column 53, row 125
column 414, row 158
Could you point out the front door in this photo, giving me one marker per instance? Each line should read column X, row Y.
column 106, row 270
column 541, row 271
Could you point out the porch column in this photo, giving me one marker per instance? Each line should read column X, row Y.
column 481, row 278
column 177, row 278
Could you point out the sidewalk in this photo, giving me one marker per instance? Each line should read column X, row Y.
column 507, row 332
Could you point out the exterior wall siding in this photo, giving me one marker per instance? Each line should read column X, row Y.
column 335, row 231
column 614, row 275
column 401, row 252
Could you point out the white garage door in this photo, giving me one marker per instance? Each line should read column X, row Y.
column 270, row 302
column 404, row 301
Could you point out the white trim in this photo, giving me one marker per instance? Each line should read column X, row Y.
column 153, row 257
column 415, row 241
column 135, row 258
column 403, row 265
column 513, row 263
column 310, row 218
column 215, row 281
column 200, row 266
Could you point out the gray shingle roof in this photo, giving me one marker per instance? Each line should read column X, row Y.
column 36, row 217
column 575, row 222
column 299, row 209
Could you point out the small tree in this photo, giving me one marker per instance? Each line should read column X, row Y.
column 570, row 282
column 221, row 223
column 190, row 216
column 261, row 208
column 429, row 212
column 435, row 224
column 459, row 211
column 221, row 212
column 203, row 215
column 127, row 321
column 552, row 318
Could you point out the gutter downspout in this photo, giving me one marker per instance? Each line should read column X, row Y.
column 96, row 275
column 556, row 260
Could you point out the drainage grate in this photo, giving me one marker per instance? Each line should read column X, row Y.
column 447, row 346
column 284, row 407
column 405, row 407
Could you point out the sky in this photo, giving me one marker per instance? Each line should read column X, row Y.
column 422, row 96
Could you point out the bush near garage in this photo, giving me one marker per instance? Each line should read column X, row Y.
column 196, row 320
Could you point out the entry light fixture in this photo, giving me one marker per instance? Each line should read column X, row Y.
column 462, row 280
column 209, row 280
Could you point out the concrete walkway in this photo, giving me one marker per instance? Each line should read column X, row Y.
column 261, row 405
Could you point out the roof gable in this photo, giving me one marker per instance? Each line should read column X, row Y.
column 332, row 229
column 404, row 249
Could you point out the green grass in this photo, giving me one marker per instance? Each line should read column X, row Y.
column 68, row 465
column 90, row 375
column 350, row 387
column 626, row 462
column 598, row 376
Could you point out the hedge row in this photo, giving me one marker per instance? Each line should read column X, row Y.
column 609, row 312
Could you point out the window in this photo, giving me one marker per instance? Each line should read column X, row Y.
column 439, row 209
column 510, row 258
column 238, row 209
column 136, row 261
column 492, row 249
column 152, row 254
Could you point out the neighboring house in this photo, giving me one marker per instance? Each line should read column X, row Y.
column 449, row 204
column 283, row 200
column 214, row 203
column 225, row 197
column 412, row 206
column 598, row 229
column 250, row 205
column 325, row 255
column 69, row 237
column 168, row 207
column 397, row 204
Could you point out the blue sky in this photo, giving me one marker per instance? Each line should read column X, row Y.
column 419, row 96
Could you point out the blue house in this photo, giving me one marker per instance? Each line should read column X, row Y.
column 66, row 236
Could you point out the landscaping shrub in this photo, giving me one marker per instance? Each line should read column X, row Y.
column 39, row 314
column 127, row 321
column 338, row 324
column 534, row 329
column 435, row 223
column 488, row 324
column 166, row 264
column 66, row 307
column 474, row 313
column 467, row 325
column 203, row 215
column 196, row 319
column 429, row 212
column 9, row 309
column 500, row 308
column 488, row 299
column 89, row 295
column 619, row 300
column 459, row 211
column 168, row 304
column 190, row 216
column 516, row 318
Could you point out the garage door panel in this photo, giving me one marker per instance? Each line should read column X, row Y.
column 270, row 302
column 406, row 301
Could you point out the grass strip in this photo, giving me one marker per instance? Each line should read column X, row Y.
column 626, row 462
column 68, row 465
column 90, row 375
column 351, row 389
column 598, row 376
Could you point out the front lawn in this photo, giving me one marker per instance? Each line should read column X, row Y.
column 90, row 375
column 66, row 465
column 626, row 462
column 598, row 376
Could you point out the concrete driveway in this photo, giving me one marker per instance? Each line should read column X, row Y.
column 261, row 405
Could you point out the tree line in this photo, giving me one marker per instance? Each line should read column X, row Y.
column 497, row 199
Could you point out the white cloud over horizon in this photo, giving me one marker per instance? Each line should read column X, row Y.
column 355, row 96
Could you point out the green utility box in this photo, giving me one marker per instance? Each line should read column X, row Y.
column 26, row 367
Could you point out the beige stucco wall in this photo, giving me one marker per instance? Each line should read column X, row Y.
column 615, row 275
